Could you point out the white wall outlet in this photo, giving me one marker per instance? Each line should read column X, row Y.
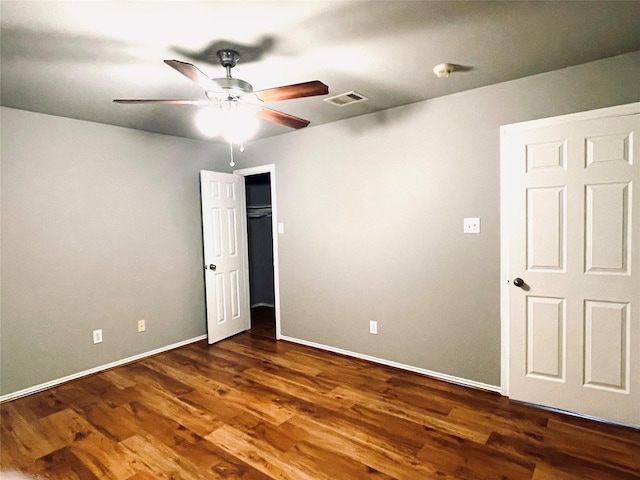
column 373, row 327
column 280, row 228
column 97, row 336
column 472, row 225
column 142, row 326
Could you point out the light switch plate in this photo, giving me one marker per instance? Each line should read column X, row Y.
column 472, row 225
column 280, row 228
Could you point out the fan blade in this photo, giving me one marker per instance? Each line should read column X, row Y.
column 298, row 90
column 165, row 101
column 282, row 118
column 194, row 74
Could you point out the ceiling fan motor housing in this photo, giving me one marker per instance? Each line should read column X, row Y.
column 233, row 87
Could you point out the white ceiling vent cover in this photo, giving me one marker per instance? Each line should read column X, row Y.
column 345, row 99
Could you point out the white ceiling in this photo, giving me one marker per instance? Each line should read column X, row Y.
column 71, row 58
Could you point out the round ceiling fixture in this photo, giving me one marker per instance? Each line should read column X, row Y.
column 443, row 70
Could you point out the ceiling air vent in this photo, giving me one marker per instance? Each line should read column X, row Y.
column 345, row 99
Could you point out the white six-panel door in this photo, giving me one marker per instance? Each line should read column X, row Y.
column 572, row 209
column 224, row 225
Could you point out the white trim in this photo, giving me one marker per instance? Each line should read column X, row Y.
column 615, row 111
column 271, row 170
column 439, row 376
column 504, row 263
column 505, row 192
column 91, row 371
column 578, row 415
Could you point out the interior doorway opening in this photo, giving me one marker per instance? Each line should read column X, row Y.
column 261, row 254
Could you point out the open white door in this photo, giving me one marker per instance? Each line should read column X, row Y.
column 572, row 206
column 224, row 225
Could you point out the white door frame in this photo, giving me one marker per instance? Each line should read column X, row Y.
column 505, row 195
column 271, row 170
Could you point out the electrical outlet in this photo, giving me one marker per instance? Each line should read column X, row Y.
column 373, row 327
column 97, row 336
column 141, row 326
column 472, row 225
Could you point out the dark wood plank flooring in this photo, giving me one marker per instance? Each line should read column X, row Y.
column 253, row 408
column 263, row 321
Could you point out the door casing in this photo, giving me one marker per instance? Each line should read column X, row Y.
column 271, row 170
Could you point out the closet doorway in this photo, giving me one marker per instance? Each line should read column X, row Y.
column 262, row 250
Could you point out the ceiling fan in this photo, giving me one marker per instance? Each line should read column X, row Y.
column 230, row 94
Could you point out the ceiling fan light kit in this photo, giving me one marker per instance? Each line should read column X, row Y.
column 234, row 124
column 232, row 107
column 443, row 70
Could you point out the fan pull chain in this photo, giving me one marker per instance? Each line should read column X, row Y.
column 241, row 147
column 232, row 164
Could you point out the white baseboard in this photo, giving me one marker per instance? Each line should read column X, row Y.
column 580, row 415
column 117, row 363
column 439, row 376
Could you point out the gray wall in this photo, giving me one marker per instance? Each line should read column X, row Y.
column 101, row 227
column 373, row 210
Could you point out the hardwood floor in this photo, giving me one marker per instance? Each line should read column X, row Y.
column 263, row 321
column 253, row 408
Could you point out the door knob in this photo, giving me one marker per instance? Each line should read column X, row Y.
column 518, row 282
column 212, row 266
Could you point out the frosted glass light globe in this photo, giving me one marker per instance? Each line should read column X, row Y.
column 210, row 121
